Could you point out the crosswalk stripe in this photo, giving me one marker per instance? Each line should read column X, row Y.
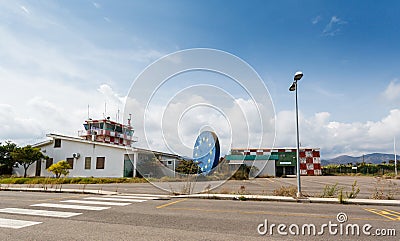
column 16, row 224
column 96, row 202
column 35, row 212
column 140, row 197
column 115, row 199
column 144, row 196
column 82, row 207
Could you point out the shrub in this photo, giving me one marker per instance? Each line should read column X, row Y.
column 331, row 191
column 286, row 191
column 242, row 190
column 60, row 168
column 242, row 198
column 384, row 189
column 242, row 173
column 354, row 191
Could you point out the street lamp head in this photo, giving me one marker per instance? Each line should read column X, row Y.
column 298, row 75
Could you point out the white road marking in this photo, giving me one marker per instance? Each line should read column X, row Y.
column 15, row 224
column 114, row 199
column 56, row 205
column 149, row 197
column 96, row 202
column 35, row 212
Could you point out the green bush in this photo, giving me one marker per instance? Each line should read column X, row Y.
column 60, row 168
column 331, row 191
column 354, row 191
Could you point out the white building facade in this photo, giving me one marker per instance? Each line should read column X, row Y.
column 91, row 158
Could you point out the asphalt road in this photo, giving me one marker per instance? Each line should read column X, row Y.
column 180, row 219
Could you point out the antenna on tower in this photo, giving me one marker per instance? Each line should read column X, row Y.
column 88, row 116
column 129, row 120
column 118, row 115
column 105, row 109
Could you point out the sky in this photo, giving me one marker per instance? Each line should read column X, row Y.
column 58, row 57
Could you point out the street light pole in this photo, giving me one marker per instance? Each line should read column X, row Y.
column 395, row 157
column 293, row 87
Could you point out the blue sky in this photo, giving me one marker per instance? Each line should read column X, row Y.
column 58, row 56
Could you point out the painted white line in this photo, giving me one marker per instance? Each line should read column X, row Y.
column 145, row 194
column 16, row 224
column 35, row 212
column 96, row 202
column 138, row 197
column 115, row 199
column 81, row 207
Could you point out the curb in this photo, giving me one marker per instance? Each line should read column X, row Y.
column 220, row 196
column 291, row 199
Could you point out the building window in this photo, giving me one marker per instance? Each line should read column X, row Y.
column 57, row 143
column 49, row 162
column 71, row 162
column 88, row 162
column 100, row 162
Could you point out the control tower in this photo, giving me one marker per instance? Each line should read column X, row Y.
column 108, row 131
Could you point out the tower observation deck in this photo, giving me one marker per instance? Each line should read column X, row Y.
column 108, row 131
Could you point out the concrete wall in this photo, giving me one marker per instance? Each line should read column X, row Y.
column 268, row 170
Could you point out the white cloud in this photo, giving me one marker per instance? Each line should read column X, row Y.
column 50, row 71
column 316, row 20
column 25, row 9
column 42, row 114
column 337, row 138
column 96, row 5
column 392, row 92
column 48, row 81
column 333, row 27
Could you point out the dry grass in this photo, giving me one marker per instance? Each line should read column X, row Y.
column 68, row 180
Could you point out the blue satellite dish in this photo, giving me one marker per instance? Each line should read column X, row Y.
column 206, row 151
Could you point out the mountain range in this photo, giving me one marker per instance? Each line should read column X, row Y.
column 374, row 158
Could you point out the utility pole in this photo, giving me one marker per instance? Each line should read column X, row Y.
column 395, row 157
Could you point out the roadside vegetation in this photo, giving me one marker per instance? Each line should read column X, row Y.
column 384, row 189
column 69, row 180
column 60, row 168
column 286, row 191
column 384, row 169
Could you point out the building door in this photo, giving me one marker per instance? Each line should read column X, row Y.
column 279, row 171
column 128, row 165
column 38, row 168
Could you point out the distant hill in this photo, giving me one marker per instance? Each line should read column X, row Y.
column 374, row 158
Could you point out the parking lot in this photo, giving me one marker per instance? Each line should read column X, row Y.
column 314, row 185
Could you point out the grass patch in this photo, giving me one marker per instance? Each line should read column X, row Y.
column 69, row 180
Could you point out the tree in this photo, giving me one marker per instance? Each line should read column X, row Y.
column 188, row 167
column 26, row 156
column 6, row 161
column 60, row 168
